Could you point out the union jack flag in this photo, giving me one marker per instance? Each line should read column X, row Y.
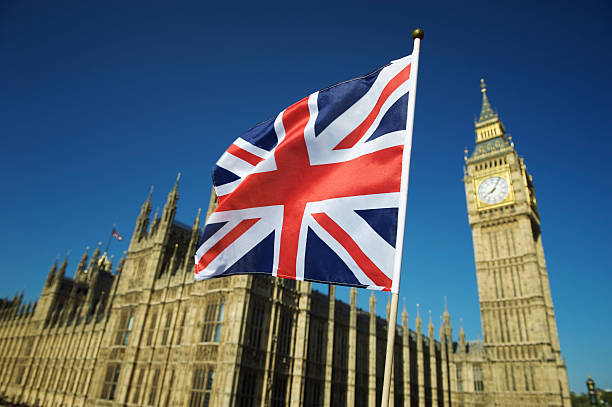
column 314, row 193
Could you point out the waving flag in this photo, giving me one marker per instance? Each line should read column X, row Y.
column 116, row 235
column 314, row 194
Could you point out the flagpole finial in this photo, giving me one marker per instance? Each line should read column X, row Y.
column 418, row 33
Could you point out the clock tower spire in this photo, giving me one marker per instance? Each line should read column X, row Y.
column 518, row 320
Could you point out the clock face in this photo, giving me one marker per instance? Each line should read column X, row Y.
column 493, row 190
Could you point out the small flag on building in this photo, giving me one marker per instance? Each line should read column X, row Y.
column 316, row 193
column 116, row 235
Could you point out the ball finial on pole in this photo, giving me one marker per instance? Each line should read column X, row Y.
column 418, row 33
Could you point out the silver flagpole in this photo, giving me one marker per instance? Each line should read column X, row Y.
column 417, row 36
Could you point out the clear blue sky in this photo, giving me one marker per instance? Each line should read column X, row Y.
column 99, row 102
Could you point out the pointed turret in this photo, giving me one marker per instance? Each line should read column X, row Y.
column 168, row 213
column 195, row 230
column 95, row 257
column 446, row 314
column 62, row 270
column 155, row 223
column 430, row 328
column 21, row 311
column 173, row 196
column 488, row 126
column 194, row 240
column 82, row 266
column 446, row 322
column 142, row 222
column 119, row 268
column 51, row 275
column 461, row 346
column 486, row 112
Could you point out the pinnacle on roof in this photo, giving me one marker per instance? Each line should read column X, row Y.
column 83, row 262
column 486, row 112
column 62, row 270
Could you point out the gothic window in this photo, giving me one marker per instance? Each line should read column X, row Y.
column 255, row 327
column 284, row 333
column 179, row 337
column 169, row 395
column 61, row 381
column 28, row 346
column 525, row 377
column 166, row 330
column 19, row 376
column 74, row 380
column 279, row 391
column 138, row 386
column 478, row 383
column 124, row 328
column 37, row 377
column 201, row 387
column 110, row 381
column 213, row 319
column 459, row 378
column 319, row 347
column 248, row 387
column 154, row 388
column 151, row 330
column 84, row 381
column 507, row 379
column 533, row 385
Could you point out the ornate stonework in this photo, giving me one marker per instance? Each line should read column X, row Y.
column 144, row 333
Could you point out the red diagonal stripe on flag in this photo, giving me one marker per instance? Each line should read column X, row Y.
column 224, row 242
column 354, row 136
column 244, row 155
column 363, row 261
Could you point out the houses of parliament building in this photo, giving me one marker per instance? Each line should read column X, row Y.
column 143, row 333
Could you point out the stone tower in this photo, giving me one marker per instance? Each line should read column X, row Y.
column 518, row 320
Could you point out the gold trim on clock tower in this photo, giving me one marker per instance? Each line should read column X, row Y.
column 518, row 321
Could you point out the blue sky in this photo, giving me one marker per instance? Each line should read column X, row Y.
column 99, row 101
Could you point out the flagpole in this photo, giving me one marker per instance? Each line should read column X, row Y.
column 417, row 36
column 109, row 239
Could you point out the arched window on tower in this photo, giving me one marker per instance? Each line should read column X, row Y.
column 478, row 382
column 124, row 328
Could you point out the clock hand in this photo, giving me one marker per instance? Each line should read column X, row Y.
column 494, row 187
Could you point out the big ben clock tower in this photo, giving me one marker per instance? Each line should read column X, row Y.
column 518, row 320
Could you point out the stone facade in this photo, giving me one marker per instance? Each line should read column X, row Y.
column 146, row 334
column 521, row 345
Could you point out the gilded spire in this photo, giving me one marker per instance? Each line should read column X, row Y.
column 486, row 112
